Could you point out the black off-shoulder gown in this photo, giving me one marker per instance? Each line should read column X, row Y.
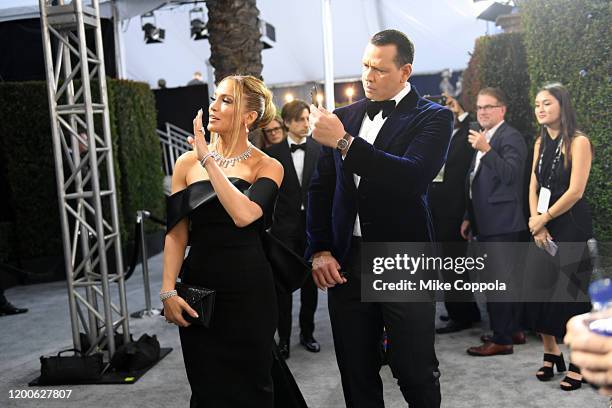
column 230, row 363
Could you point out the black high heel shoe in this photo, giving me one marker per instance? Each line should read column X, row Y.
column 573, row 384
column 548, row 372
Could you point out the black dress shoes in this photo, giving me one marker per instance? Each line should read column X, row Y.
column 283, row 349
column 310, row 344
column 452, row 327
column 9, row 309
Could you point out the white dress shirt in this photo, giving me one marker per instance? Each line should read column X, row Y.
column 488, row 135
column 368, row 132
column 298, row 159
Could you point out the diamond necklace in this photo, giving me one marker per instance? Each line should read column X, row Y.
column 231, row 161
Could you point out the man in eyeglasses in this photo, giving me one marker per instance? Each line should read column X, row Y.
column 494, row 186
column 298, row 155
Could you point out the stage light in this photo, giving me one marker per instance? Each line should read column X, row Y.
column 494, row 10
column 152, row 33
column 268, row 34
column 288, row 97
column 199, row 29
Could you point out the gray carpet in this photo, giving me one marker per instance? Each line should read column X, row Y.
column 501, row 381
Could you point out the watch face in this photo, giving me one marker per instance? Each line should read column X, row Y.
column 342, row 144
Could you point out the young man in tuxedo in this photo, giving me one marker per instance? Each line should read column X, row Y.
column 447, row 202
column 370, row 185
column 298, row 155
column 494, row 213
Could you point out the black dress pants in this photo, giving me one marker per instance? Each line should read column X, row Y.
column 3, row 301
column 308, row 300
column 460, row 305
column 504, row 317
column 357, row 329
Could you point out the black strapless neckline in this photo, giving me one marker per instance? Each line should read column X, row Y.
column 208, row 180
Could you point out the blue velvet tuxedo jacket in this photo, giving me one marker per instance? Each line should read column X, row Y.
column 391, row 199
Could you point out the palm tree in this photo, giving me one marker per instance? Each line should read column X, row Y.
column 235, row 45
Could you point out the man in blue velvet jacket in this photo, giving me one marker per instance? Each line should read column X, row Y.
column 370, row 185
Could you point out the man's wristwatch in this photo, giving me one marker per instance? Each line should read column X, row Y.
column 343, row 143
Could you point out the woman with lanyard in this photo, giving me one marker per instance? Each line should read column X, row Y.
column 559, row 214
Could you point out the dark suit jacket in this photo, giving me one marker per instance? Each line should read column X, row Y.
column 496, row 206
column 395, row 173
column 447, row 199
column 288, row 218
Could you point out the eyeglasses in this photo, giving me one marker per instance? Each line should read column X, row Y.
column 273, row 130
column 487, row 108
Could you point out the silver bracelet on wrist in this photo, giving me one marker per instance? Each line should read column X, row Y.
column 206, row 157
column 166, row 295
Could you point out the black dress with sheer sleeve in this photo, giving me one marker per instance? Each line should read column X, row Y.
column 228, row 364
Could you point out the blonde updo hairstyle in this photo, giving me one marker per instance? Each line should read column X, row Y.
column 250, row 95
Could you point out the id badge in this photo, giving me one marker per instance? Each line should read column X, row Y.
column 543, row 200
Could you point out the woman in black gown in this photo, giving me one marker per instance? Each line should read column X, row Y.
column 220, row 193
column 561, row 165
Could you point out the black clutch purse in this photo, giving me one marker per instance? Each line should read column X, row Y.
column 202, row 300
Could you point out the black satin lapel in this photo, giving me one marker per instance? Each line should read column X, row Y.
column 352, row 127
column 353, row 123
column 309, row 161
column 287, row 162
column 393, row 125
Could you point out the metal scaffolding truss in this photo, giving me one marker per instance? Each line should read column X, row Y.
column 82, row 147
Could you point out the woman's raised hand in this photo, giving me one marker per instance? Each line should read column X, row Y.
column 198, row 142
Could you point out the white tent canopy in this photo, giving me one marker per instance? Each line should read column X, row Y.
column 443, row 32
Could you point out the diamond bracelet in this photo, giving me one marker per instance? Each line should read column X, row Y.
column 205, row 158
column 166, row 295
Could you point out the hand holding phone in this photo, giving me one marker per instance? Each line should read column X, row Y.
column 314, row 95
column 551, row 247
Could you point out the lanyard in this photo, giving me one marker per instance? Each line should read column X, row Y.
column 554, row 163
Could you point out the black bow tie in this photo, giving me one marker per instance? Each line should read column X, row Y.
column 295, row 147
column 373, row 107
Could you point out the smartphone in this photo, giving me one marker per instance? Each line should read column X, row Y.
column 475, row 126
column 314, row 91
column 551, row 247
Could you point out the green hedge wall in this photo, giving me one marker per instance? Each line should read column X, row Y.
column 501, row 61
column 137, row 151
column 471, row 82
column 571, row 42
column 27, row 155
